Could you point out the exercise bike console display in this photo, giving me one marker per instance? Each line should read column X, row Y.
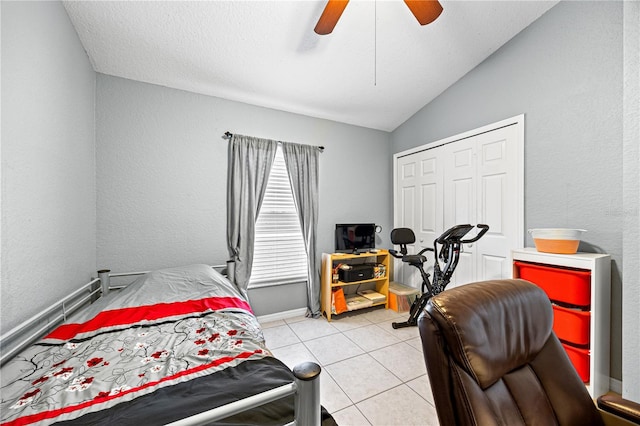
column 450, row 243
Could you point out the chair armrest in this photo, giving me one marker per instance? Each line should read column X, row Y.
column 620, row 407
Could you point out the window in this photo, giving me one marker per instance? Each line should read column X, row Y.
column 279, row 255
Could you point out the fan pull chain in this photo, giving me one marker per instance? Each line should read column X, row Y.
column 375, row 42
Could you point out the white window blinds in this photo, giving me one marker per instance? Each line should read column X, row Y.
column 279, row 255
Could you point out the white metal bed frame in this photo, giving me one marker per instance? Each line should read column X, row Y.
column 305, row 388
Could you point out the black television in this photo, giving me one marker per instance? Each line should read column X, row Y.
column 355, row 237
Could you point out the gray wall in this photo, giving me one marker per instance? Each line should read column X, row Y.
column 48, row 160
column 161, row 176
column 631, row 205
column 564, row 73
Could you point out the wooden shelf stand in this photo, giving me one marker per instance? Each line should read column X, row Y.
column 331, row 260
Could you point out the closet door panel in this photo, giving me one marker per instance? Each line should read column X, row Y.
column 460, row 201
column 492, row 193
column 430, row 207
column 462, row 196
column 429, row 214
column 491, row 266
column 465, row 271
column 459, row 183
column 497, row 206
column 408, row 198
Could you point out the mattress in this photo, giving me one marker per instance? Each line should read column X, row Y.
column 174, row 343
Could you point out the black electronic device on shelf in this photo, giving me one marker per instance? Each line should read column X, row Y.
column 351, row 273
column 355, row 237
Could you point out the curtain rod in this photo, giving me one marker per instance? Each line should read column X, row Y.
column 228, row 135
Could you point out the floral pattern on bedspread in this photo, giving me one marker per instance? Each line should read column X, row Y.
column 64, row 381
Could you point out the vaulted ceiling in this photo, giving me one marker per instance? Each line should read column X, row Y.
column 376, row 69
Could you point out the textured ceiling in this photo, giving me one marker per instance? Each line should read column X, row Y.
column 376, row 69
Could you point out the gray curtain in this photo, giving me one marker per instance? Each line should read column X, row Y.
column 249, row 165
column 302, row 165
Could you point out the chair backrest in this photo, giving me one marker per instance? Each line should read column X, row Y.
column 493, row 359
column 402, row 237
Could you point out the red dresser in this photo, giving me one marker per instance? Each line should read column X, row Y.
column 578, row 286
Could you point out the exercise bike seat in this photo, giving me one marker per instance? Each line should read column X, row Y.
column 414, row 259
column 402, row 237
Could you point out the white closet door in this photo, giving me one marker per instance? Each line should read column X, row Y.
column 475, row 177
column 498, row 205
column 460, row 183
column 430, row 215
column 420, row 197
column 406, row 208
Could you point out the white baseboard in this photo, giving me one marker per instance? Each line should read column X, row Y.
column 615, row 385
column 300, row 312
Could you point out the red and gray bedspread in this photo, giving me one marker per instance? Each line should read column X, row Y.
column 175, row 343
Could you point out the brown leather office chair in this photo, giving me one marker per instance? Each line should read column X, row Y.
column 493, row 359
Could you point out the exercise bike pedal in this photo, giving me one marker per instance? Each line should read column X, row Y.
column 403, row 324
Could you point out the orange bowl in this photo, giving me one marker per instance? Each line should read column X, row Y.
column 557, row 240
column 556, row 246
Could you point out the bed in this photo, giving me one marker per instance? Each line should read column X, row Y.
column 176, row 345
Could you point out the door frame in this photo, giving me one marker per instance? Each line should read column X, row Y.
column 517, row 121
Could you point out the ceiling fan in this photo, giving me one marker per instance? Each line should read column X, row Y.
column 425, row 11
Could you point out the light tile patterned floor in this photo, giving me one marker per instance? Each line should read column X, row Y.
column 372, row 375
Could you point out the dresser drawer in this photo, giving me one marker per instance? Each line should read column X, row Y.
column 580, row 359
column 571, row 325
column 562, row 285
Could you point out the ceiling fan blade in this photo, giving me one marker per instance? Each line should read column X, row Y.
column 330, row 16
column 425, row 11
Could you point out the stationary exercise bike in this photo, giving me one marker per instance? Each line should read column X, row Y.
column 451, row 242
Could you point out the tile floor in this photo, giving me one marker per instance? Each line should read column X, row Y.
column 371, row 374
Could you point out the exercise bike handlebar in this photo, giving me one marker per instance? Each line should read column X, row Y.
column 455, row 234
column 483, row 230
